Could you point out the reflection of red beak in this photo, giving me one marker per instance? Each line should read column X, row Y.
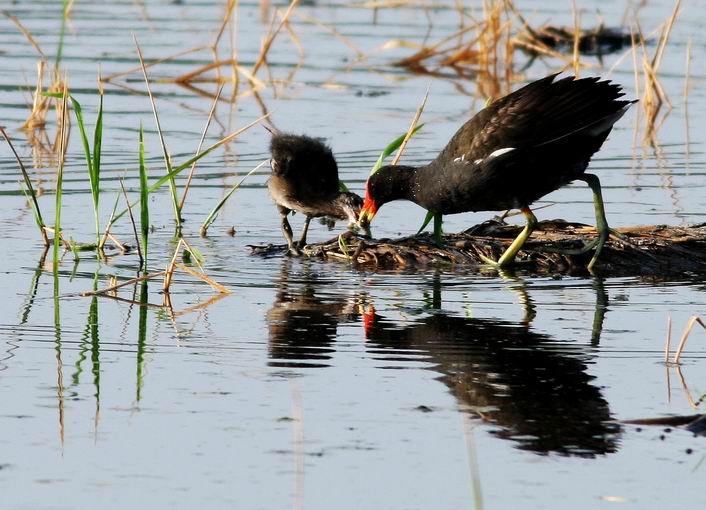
column 369, row 320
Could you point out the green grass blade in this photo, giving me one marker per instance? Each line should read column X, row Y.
column 159, row 182
column 144, row 202
column 28, row 189
column 62, row 32
column 78, row 112
column 394, row 145
column 427, row 219
column 93, row 172
column 97, row 148
column 214, row 212
column 92, row 160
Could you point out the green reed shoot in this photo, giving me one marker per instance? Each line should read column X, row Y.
column 93, row 159
column 214, row 212
column 144, row 202
column 28, row 190
column 65, row 9
column 392, row 147
column 427, row 219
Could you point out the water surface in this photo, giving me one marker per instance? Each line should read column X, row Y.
column 314, row 384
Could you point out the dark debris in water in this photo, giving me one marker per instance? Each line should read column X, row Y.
column 657, row 250
column 595, row 41
column 695, row 423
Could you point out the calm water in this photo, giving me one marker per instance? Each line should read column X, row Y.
column 314, row 385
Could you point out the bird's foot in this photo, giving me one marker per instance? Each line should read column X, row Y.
column 595, row 244
column 487, row 261
column 294, row 251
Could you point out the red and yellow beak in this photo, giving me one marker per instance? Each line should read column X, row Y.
column 369, row 210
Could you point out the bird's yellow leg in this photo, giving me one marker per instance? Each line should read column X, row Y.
column 509, row 255
column 602, row 227
column 601, row 223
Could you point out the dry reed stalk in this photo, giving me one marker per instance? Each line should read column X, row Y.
column 577, row 38
column 221, row 289
column 165, row 151
column 24, row 31
column 124, row 248
column 198, row 149
column 654, row 96
column 695, row 319
column 63, row 120
column 685, row 99
column 231, row 6
column 196, row 75
column 137, row 68
column 490, row 81
column 267, row 44
column 169, row 272
column 116, row 286
column 668, row 341
column 173, row 265
column 40, row 103
column 412, row 127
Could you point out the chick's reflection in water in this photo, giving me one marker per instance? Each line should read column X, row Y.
column 520, row 381
column 303, row 321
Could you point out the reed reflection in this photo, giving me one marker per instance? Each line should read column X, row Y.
column 522, row 382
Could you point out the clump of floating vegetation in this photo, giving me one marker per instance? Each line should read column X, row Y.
column 660, row 250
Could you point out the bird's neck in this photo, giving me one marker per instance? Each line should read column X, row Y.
column 404, row 182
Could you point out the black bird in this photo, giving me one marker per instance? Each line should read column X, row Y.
column 513, row 152
column 305, row 179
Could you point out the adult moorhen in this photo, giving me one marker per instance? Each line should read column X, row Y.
column 513, row 152
column 305, row 179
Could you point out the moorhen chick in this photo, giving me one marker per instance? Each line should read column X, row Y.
column 513, row 152
column 305, row 180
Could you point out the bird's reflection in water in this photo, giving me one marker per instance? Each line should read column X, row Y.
column 532, row 388
column 302, row 324
column 522, row 382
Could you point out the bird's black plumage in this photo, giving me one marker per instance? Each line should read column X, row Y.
column 519, row 148
column 305, row 179
column 516, row 150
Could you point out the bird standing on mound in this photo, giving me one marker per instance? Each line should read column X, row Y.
column 513, row 152
column 305, row 180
